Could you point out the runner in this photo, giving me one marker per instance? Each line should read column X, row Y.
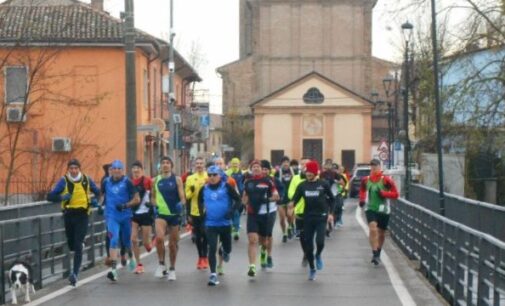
column 342, row 194
column 335, row 182
column 236, row 173
column 260, row 195
column 216, row 201
column 298, row 212
column 73, row 191
column 319, row 205
column 266, row 253
column 168, row 196
column 374, row 195
column 285, row 174
column 121, row 196
column 143, row 214
column 194, row 184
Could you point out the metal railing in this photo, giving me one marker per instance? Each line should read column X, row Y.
column 41, row 241
column 28, row 210
column 481, row 216
column 466, row 266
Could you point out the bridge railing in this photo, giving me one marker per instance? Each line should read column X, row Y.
column 466, row 266
column 41, row 241
column 28, row 210
column 481, row 216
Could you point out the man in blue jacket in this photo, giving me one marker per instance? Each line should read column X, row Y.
column 215, row 202
column 121, row 196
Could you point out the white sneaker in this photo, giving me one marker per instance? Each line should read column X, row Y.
column 161, row 271
column 171, row 275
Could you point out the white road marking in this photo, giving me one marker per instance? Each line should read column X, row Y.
column 398, row 285
column 84, row 281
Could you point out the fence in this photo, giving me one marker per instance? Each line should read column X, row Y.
column 28, row 210
column 41, row 241
column 466, row 266
column 481, row 216
column 24, row 191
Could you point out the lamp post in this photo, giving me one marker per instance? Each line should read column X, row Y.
column 387, row 82
column 438, row 110
column 407, row 28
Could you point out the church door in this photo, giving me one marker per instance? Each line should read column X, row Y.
column 313, row 148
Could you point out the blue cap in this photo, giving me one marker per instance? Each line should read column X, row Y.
column 117, row 164
column 213, row 170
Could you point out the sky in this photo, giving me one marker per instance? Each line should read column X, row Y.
column 213, row 27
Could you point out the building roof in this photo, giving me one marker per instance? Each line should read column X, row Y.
column 310, row 74
column 71, row 22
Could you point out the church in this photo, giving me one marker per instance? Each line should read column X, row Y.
column 302, row 85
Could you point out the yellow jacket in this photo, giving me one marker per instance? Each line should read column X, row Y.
column 196, row 180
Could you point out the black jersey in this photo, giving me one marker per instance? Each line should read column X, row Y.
column 259, row 190
column 319, row 199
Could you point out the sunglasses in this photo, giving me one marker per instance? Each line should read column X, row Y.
column 213, row 174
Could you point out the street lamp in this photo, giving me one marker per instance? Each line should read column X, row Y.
column 387, row 82
column 407, row 28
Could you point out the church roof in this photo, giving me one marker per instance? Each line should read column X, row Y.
column 308, row 75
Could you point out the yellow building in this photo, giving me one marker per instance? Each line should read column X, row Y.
column 313, row 117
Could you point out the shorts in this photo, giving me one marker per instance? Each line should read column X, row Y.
column 172, row 220
column 382, row 220
column 145, row 219
column 263, row 225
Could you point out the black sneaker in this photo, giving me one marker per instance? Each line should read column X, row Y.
column 123, row 260
column 72, row 279
column 112, row 275
column 284, row 238
column 375, row 260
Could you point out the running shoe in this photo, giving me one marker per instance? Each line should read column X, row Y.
column 284, row 238
column 132, row 264
column 112, row 275
column 312, row 274
column 319, row 262
column 72, row 279
column 270, row 262
column 161, row 271
column 263, row 258
column 375, row 260
column 139, row 269
column 205, row 263
column 171, row 275
column 199, row 263
column 213, row 281
column 236, row 235
column 123, row 260
column 220, row 270
column 305, row 262
column 252, row 271
column 290, row 232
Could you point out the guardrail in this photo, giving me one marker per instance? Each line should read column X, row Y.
column 41, row 241
column 481, row 216
column 465, row 265
column 28, row 210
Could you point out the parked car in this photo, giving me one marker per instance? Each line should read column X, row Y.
column 360, row 171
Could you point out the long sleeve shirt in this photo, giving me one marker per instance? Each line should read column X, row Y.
column 319, row 199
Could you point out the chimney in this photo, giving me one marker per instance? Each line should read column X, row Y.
column 97, row 5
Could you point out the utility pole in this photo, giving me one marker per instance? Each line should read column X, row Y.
column 131, row 105
column 171, row 94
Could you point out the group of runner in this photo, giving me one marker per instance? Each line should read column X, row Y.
column 307, row 199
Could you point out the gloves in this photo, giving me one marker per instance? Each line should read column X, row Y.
column 361, row 204
column 66, row 197
column 121, row 207
column 94, row 203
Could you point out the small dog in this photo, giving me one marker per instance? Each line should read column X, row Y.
column 20, row 278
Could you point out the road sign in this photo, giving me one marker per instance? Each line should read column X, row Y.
column 398, row 146
column 148, row 128
column 205, row 120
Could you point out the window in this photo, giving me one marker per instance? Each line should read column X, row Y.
column 16, row 84
column 313, row 96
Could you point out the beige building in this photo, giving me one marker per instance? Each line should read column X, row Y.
column 313, row 117
column 284, row 40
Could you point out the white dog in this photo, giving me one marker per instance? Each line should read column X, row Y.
column 20, row 279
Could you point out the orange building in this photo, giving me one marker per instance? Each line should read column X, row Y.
column 63, row 84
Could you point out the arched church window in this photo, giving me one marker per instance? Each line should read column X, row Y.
column 313, row 96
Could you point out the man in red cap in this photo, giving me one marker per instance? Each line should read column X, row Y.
column 319, row 205
column 375, row 192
